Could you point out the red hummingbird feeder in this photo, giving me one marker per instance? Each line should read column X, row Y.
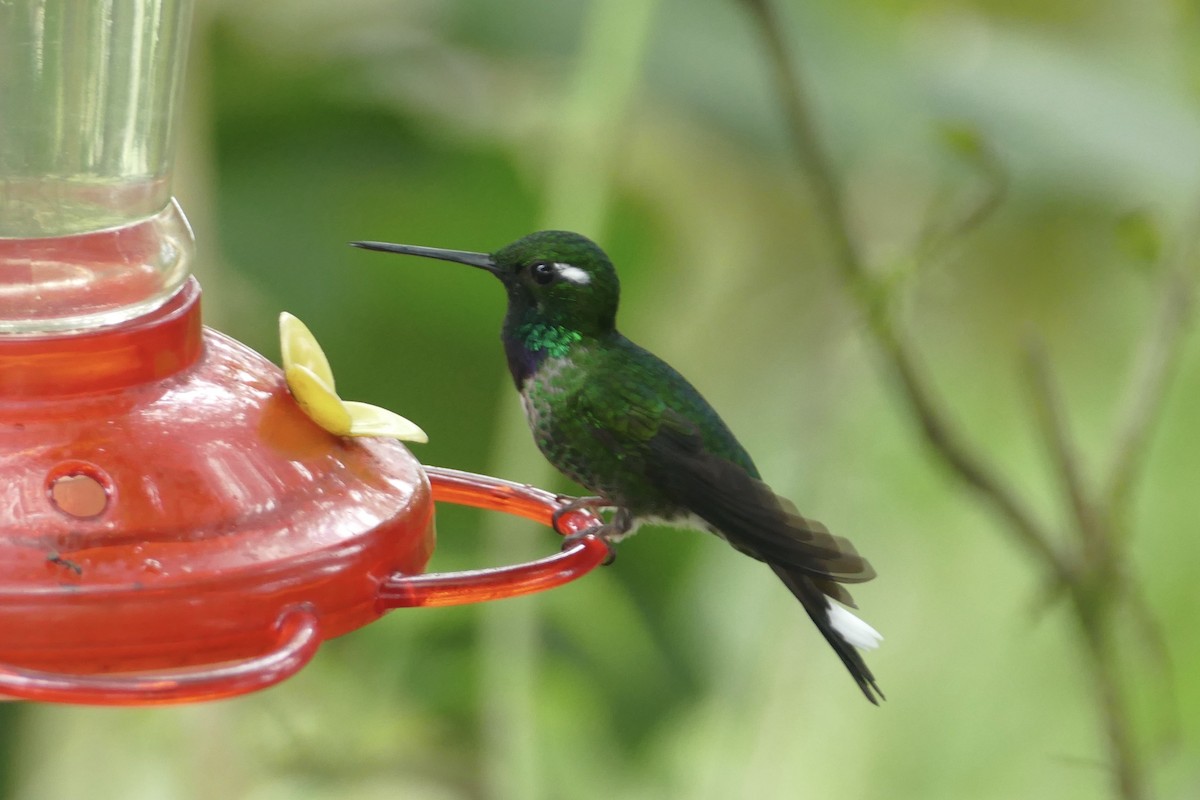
column 173, row 526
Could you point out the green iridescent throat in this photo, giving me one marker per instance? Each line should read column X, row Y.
column 553, row 340
column 531, row 343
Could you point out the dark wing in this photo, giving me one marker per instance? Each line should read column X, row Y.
column 742, row 508
column 809, row 560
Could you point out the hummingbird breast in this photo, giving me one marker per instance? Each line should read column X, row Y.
column 596, row 412
column 572, row 440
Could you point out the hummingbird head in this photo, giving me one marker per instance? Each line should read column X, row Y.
column 561, row 278
column 557, row 278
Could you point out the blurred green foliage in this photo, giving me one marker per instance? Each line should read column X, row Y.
column 684, row 670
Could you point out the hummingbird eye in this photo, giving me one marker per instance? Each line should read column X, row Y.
column 543, row 272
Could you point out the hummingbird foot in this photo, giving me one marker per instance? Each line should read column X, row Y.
column 608, row 532
column 576, row 504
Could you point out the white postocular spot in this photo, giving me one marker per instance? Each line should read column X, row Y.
column 572, row 273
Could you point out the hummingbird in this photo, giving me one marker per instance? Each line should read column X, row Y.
column 629, row 428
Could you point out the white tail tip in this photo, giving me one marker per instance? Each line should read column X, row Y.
column 853, row 629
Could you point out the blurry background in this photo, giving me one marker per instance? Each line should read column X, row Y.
column 684, row 670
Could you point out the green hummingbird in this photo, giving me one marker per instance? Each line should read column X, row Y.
column 628, row 427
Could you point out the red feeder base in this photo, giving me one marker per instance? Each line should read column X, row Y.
column 167, row 509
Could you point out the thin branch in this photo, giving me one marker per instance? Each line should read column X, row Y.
column 1052, row 419
column 1103, row 665
column 936, row 239
column 1158, row 358
column 934, row 422
column 829, row 202
column 1155, row 650
column 1097, row 584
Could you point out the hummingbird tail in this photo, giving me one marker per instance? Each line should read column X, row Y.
column 727, row 494
column 841, row 629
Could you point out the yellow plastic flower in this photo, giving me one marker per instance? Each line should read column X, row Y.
column 311, row 382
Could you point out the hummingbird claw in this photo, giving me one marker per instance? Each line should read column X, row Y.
column 607, row 532
column 601, row 532
column 574, row 504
